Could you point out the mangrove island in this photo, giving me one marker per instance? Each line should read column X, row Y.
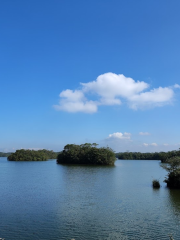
column 32, row 155
column 86, row 154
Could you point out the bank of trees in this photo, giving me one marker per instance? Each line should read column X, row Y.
column 173, row 168
column 2, row 154
column 163, row 156
column 32, row 155
column 86, row 154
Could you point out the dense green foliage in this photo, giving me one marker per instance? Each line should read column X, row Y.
column 86, row 154
column 138, row 156
column 32, row 155
column 156, row 183
column 173, row 169
column 2, row 154
column 163, row 156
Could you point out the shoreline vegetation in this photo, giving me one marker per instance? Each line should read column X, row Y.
column 162, row 156
column 87, row 154
column 3, row 154
column 32, row 155
column 173, row 169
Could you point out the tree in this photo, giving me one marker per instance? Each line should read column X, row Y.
column 173, row 168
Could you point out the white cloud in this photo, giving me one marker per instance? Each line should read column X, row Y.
column 150, row 144
column 154, row 98
column 176, row 86
column 154, row 144
column 113, row 89
column 144, row 133
column 72, row 95
column 119, row 135
column 165, row 144
column 36, row 149
column 75, row 101
column 111, row 86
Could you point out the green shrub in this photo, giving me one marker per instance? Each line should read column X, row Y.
column 156, row 183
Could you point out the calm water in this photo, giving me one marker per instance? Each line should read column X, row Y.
column 44, row 200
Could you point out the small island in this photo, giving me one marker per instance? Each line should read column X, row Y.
column 32, row 155
column 86, row 154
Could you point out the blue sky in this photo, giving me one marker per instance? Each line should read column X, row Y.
column 90, row 71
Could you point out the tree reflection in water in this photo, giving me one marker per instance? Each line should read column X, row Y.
column 174, row 200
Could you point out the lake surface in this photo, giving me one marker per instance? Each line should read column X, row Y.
column 44, row 201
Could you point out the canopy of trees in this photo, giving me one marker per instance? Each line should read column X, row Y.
column 173, row 169
column 32, row 155
column 86, row 154
column 163, row 156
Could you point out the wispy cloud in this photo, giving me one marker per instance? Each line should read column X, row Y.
column 154, row 144
column 150, row 144
column 36, row 149
column 176, row 86
column 144, row 133
column 112, row 89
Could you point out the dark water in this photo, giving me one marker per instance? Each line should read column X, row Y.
column 43, row 200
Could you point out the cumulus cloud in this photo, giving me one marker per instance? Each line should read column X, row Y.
column 145, row 144
column 110, row 86
column 144, row 133
column 119, row 135
column 112, row 89
column 75, row 101
column 154, row 98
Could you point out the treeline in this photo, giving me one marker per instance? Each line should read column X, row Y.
column 86, row 154
column 163, row 156
column 2, row 154
column 32, row 155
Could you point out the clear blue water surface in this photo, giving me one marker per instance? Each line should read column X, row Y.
column 45, row 200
